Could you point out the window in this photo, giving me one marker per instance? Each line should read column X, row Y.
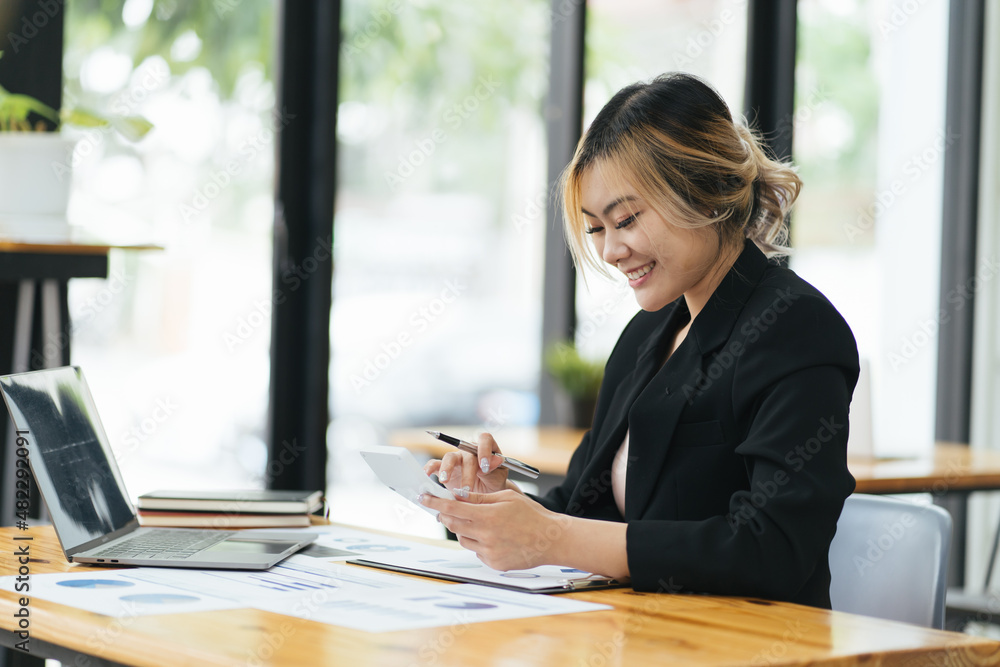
column 175, row 343
column 869, row 141
column 439, row 224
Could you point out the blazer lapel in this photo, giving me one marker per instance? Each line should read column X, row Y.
column 655, row 405
column 612, row 429
column 714, row 325
column 652, row 418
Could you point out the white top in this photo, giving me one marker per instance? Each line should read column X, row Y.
column 619, row 468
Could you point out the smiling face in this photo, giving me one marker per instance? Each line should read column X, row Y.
column 661, row 261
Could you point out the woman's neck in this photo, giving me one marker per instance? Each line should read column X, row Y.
column 698, row 296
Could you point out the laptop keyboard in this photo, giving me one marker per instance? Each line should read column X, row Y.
column 168, row 545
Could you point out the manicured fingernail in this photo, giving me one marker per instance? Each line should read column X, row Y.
column 442, row 476
column 420, row 498
column 484, row 463
column 463, row 492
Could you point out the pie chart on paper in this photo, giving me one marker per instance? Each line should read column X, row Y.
column 93, row 583
column 465, row 605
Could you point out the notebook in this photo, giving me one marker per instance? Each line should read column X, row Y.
column 56, row 421
column 241, row 501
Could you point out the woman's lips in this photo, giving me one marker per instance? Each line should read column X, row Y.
column 639, row 276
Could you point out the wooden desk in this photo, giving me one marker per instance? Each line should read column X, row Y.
column 951, row 468
column 642, row 629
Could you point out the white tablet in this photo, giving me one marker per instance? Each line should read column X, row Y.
column 398, row 470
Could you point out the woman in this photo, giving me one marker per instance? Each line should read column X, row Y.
column 717, row 458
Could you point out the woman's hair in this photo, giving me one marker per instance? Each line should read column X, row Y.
column 674, row 142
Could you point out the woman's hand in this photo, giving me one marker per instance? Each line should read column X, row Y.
column 506, row 529
column 463, row 473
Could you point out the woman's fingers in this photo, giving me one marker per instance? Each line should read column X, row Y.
column 492, row 477
column 457, row 472
column 486, row 458
column 505, row 529
column 449, row 463
column 462, row 472
column 460, row 517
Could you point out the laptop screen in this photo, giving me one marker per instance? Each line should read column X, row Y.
column 68, row 453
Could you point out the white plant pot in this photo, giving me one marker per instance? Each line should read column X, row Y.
column 35, row 169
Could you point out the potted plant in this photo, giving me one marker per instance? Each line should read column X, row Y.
column 35, row 163
column 578, row 378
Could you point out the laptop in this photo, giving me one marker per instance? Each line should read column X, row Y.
column 76, row 473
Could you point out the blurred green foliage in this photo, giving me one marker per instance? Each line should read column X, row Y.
column 233, row 33
column 580, row 378
column 834, row 68
column 411, row 62
column 443, row 69
column 418, row 54
column 427, row 55
column 835, row 78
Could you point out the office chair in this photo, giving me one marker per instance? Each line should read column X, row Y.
column 889, row 559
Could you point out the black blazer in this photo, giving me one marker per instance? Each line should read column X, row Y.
column 737, row 467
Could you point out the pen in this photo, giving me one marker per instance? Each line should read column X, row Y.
column 508, row 462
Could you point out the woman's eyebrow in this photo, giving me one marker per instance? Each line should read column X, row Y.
column 610, row 207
